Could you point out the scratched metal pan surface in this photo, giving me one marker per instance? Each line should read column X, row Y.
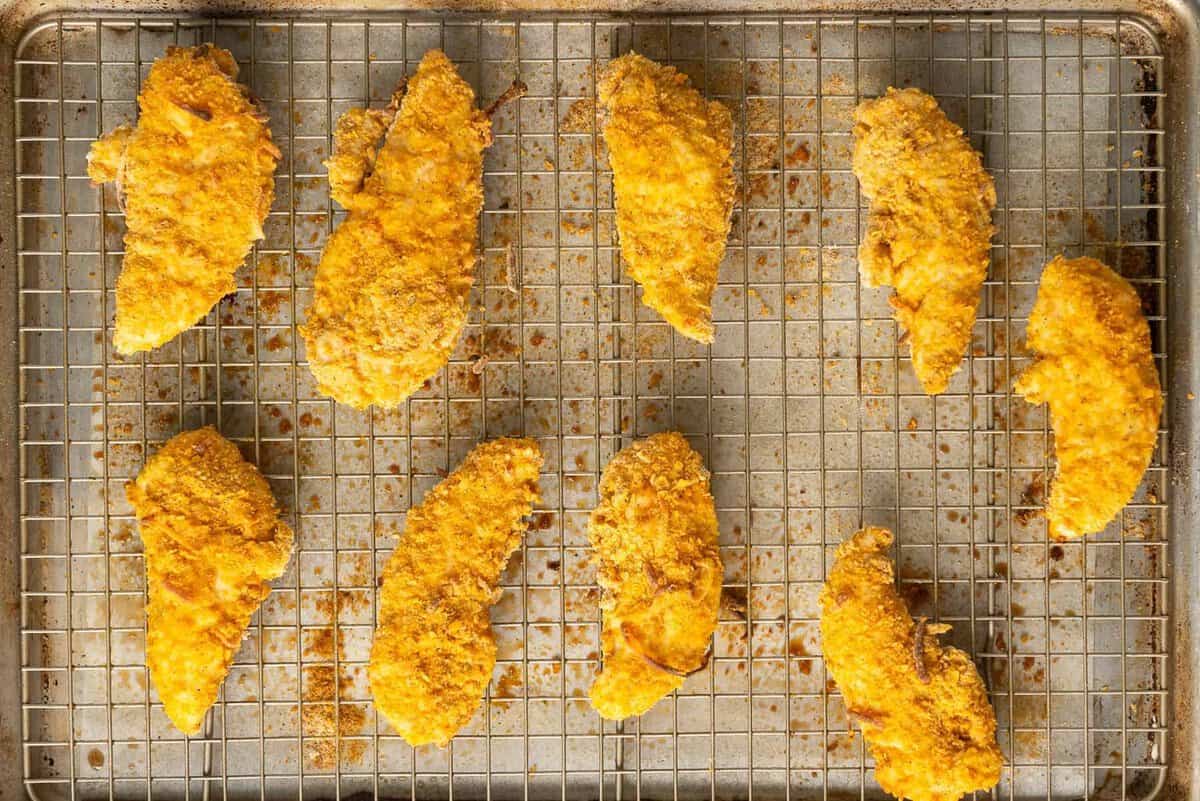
column 805, row 409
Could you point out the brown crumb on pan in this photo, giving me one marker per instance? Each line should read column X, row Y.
column 919, row 651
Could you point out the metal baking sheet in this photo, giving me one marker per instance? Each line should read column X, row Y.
column 805, row 409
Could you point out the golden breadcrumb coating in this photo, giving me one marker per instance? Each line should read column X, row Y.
column 390, row 297
column 212, row 539
column 197, row 179
column 673, row 177
column 1095, row 368
column 434, row 652
column 655, row 535
column 930, row 228
column 922, row 706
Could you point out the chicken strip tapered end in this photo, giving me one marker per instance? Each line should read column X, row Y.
column 655, row 535
column 929, row 230
column 390, row 294
column 1095, row 368
column 434, row 651
column 922, row 706
column 213, row 539
column 673, row 177
column 196, row 174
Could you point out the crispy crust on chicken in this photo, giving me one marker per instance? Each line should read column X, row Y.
column 929, row 231
column 655, row 535
column 390, row 296
column 212, row 539
column 922, row 706
column 1096, row 370
column 673, row 177
column 434, row 652
column 197, row 179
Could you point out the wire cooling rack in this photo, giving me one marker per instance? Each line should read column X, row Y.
column 806, row 411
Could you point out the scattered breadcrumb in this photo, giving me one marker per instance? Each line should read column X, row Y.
column 510, row 268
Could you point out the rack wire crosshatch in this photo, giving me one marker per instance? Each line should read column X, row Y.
column 805, row 409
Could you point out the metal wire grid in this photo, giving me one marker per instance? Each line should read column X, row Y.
column 808, row 415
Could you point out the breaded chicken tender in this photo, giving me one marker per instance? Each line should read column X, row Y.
column 673, row 177
column 197, row 179
column 434, row 652
column 655, row 535
column 390, row 295
column 929, row 231
column 1096, row 370
column 922, row 706
column 212, row 539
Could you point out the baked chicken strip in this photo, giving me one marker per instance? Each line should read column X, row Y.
column 390, row 294
column 669, row 150
column 1095, row 368
column 196, row 175
column 929, row 231
column 212, row 539
column 434, row 652
column 922, row 706
column 655, row 535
